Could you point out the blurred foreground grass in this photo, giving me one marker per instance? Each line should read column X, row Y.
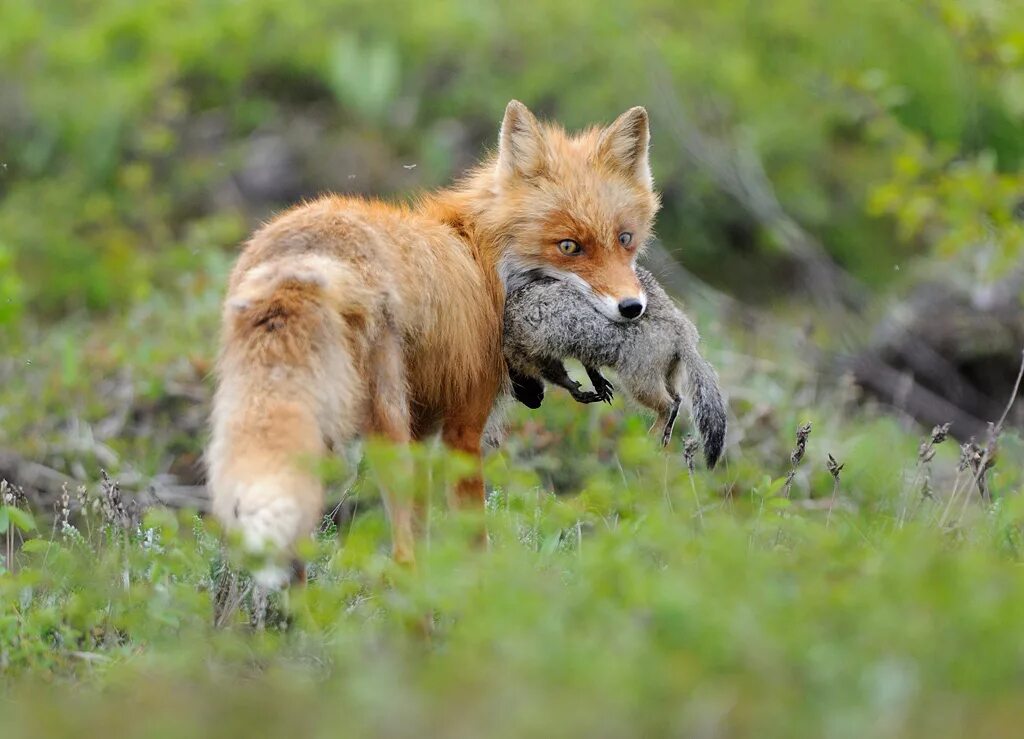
column 622, row 611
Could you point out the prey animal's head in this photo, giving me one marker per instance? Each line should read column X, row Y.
column 575, row 207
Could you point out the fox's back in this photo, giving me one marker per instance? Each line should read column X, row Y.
column 384, row 244
column 411, row 269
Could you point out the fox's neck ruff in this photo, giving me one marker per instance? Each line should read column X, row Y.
column 465, row 207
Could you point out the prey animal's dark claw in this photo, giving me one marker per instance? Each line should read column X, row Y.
column 586, row 396
column 602, row 387
column 605, row 391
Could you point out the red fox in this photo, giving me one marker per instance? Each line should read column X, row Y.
column 347, row 317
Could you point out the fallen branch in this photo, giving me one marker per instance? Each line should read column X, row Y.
column 37, row 480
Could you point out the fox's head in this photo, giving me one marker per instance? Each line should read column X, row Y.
column 576, row 207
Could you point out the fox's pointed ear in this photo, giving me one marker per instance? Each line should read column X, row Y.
column 521, row 142
column 624, row 144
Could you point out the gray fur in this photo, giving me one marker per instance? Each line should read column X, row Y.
column 547, row 320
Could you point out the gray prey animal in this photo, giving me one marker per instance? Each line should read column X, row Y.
column 656, row 355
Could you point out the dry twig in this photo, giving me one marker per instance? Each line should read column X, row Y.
column 834, row 468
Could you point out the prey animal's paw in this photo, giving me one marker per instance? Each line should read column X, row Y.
column 528, row 390
column 586, row 396
column 604, row 390
column 583, row 396
column 530, row 400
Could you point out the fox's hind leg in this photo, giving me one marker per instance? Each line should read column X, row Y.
column 389, row 418
column 462, row 431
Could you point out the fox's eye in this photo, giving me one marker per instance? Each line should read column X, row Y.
column 625, row 238
column 568, row 247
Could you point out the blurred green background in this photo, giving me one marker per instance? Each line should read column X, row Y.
column 137, row 138
column 843, row 189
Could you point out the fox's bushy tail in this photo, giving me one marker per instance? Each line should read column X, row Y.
column 288, row 389
column 707, row 403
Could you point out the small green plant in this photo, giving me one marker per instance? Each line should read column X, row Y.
column 15, row 521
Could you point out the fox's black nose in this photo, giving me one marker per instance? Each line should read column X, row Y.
column 631, row 308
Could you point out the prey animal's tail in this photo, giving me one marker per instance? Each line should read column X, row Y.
column 707, row 403
column 288, row 390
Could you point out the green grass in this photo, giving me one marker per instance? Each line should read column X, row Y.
column 620, row 610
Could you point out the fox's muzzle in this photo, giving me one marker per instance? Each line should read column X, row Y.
column 621, row 309
column 631, row 308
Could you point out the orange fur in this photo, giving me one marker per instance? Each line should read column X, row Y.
column 347, row 317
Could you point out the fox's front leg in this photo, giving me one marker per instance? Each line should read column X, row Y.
column 463, row 432
column 602, row 387
column 554, row 371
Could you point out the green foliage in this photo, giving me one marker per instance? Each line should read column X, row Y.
column 14, row 519
column 11, row 291
column 365, row 77
column 127, row 126
column 634, row 613
column 957, row 207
